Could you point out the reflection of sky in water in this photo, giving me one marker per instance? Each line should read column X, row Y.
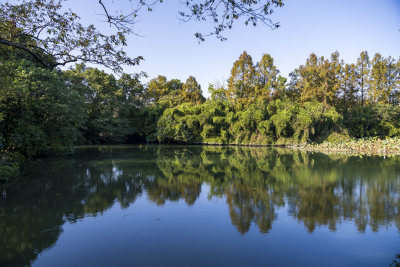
column 203, row 206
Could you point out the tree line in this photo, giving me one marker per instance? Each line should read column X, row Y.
column 49, row 111
column 324, row 99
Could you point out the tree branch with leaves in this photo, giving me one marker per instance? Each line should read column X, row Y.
column 53, row 37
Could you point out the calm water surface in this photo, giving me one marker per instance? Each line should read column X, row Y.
column 202, row 206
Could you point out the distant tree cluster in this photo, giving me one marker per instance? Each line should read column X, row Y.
column 325, row 99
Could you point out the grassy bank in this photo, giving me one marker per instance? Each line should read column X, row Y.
column 365, row 146
column 368, row 146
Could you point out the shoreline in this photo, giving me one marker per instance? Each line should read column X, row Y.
column 354, row 147
column 372, row 147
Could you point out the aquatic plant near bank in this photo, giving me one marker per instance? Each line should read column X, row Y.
column 371, row 145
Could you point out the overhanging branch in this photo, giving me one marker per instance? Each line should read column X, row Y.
column 26, row 49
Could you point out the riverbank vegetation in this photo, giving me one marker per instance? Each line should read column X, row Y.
column 370, row 146
column 46, row 110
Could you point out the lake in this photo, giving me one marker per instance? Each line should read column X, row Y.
column 202, row 206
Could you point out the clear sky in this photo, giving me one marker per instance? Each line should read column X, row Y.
column 320, row 26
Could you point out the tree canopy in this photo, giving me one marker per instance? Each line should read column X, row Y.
column 54, row 37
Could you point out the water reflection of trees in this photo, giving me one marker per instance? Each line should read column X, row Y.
column 318, row 190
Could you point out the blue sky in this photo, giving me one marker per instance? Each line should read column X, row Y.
column 307, row 26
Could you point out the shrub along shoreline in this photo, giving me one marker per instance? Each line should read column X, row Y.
column 368, row 146
column 363, row 146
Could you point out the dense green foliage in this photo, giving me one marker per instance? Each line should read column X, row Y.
column 39, row 113
column 46, row 111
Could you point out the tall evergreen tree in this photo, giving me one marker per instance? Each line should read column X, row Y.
column 294, row 87
column 396, row 94
column 191, row 91
column 157, row 87
column 349, row 88
column 242, row 80
column 266, row 76
column 363, row 71
column 392, row 79
column 379, row 92
column 319, row 79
